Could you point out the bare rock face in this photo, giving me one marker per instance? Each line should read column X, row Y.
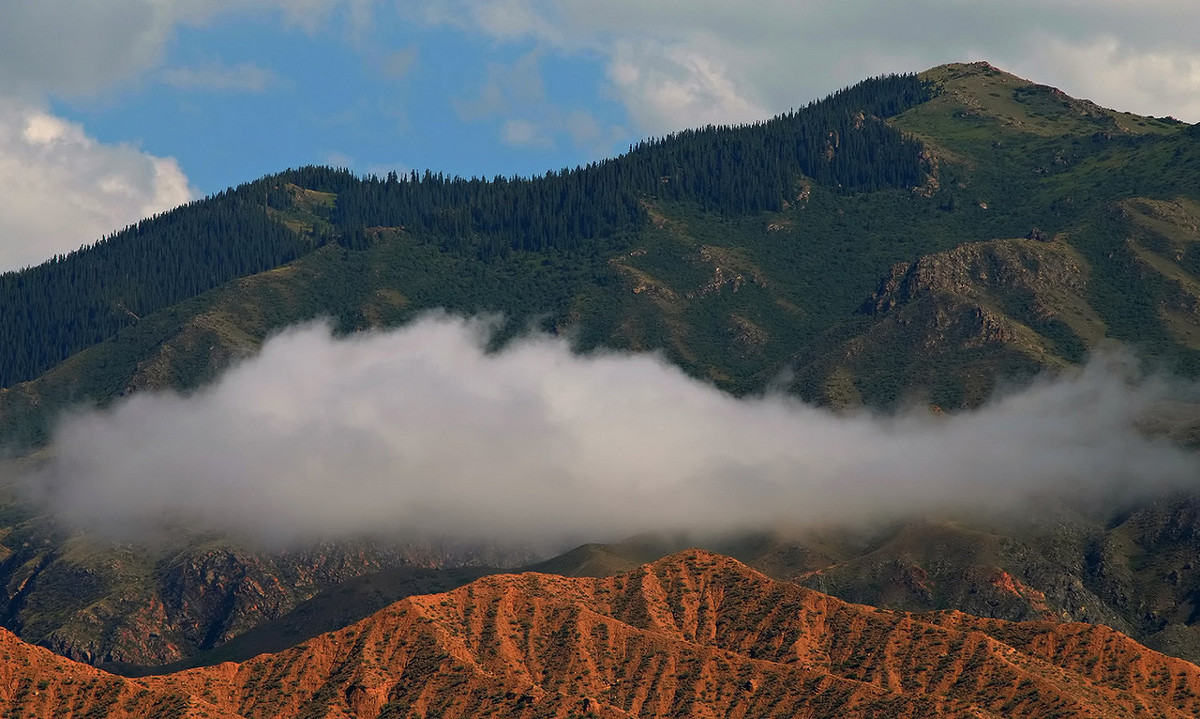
column 976, row 270
column 945, row 328
column 214, row 595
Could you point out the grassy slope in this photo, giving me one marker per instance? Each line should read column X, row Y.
column 1116, row 195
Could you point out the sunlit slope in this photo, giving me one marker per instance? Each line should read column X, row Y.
column 36, row 683
column 1132, row 568
column 695, row 633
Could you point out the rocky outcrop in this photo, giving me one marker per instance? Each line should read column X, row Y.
column 975, row 270
column 947, row 327
column 151, row 605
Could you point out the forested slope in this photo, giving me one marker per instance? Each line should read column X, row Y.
column 51, row 311
column 742, row 252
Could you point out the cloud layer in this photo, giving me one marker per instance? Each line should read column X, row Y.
column 77, row 48
column 421, row 429
column 242, row 77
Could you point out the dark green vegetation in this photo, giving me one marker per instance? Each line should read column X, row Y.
column 49, row 312
column 839, row 142
column 916, row 238
column 742, row 252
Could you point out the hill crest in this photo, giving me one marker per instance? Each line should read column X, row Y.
column 698, row 633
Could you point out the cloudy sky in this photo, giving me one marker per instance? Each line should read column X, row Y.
column 112, row 110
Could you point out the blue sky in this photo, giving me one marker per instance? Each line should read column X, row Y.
column 246, row 96
column 114, row 110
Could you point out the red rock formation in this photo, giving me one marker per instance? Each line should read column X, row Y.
column 695, row 634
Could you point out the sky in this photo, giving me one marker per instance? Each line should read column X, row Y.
column 112, row 110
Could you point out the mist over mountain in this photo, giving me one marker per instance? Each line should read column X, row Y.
column 422, row 429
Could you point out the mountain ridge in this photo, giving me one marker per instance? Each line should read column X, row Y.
column 693, row 633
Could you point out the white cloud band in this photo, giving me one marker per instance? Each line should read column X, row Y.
column 421, row 429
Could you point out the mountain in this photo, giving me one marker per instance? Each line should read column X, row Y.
column 35, row 682
column 890, row 215
column 694, row 634
column 913, row 238
column 1130, row 568
column 169, row 599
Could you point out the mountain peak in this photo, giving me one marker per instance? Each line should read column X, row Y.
column 980, row 68
column 695, row 559
column 982, row 94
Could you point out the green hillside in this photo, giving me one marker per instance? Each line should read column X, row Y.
column 742, row 252
column 53, row 310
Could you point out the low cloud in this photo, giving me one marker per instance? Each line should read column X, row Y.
column 421, row 429
column 507, row 88
column 399, row 63
column 523, row 133
column 1112, row 73
column 666, row 85
column 517, row 94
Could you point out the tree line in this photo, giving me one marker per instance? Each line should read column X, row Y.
column 72, row 301
column 841, row 141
